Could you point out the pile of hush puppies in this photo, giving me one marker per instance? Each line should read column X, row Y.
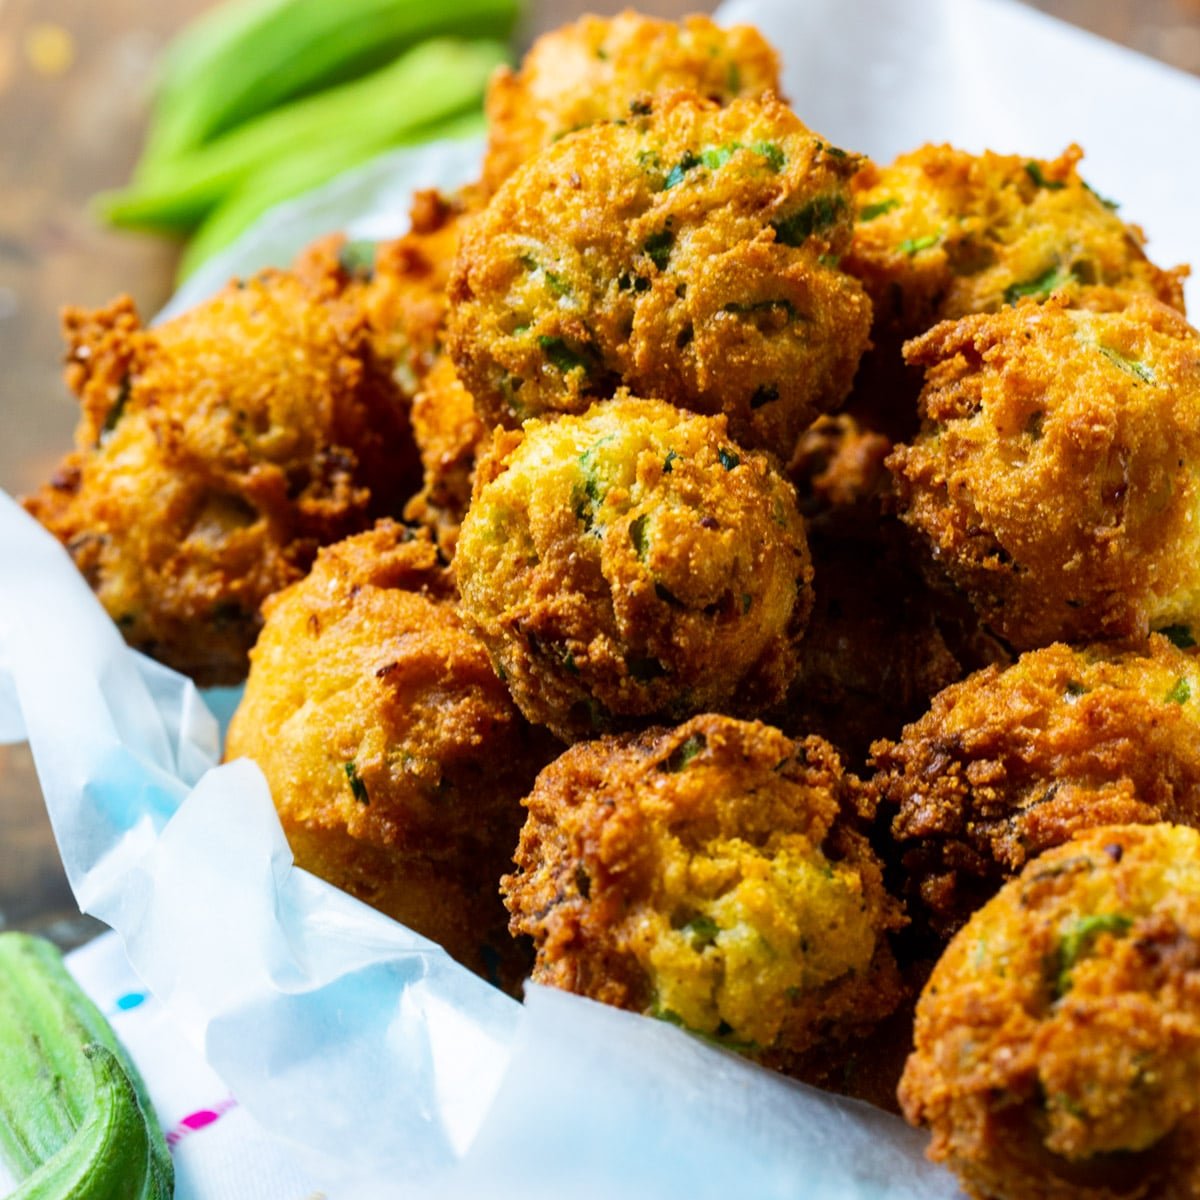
column 729, row 578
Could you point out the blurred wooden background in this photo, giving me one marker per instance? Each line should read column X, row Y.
column 74, row 76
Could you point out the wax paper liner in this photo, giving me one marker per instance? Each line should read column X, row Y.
column 391, row 1069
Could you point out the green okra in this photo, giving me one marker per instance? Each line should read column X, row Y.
column 52, row 1088
column 250, row 56
column 436, row 80
column 109, row 1156
column 292, row 175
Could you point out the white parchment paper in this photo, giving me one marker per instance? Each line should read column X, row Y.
column 392, row 1070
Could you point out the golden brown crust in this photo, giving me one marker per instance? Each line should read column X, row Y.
column 214, row 454
column 592, row 70
column 687, row 253
column 1009, row 763
column 710, row 875
column 394, row 754
column 1054, row 478
column 404, row 294
column 1058, row 1040
column 450, row 437
column 634, row 563
column 942, row 233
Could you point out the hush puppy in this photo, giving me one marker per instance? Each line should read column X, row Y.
column 592, row 70
column 710, row 875
column 395, row 757
column 1009, row 763
column 688, row 252
column 216, row 452
column 1058, row 1040
column 1056, row 476
column 633, row 562
column 942, row 233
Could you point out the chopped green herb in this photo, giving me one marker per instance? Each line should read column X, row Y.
column 702, row 931
column 1075, row 688
column 1111, row 205
column 747, row 602
column 1041, row 285
column 1179, row 635
column 566, row 656
column 1077, row 943
column 764, row 394
column 1034, row 171
column 671, row 458
column 914, row 246
column 601, row 54
column 689, row 162
column 1033, row 427
column 358, row 789
column 115, row 413
column 637, row 534
column 733, row 78
column 774, row 155
column 833, row 151
column 727, row 458
column 357, row 257
column 685, row 752
column 1181, row 693
column 715, row 157
column 562, row 355
column 869, row 212
column 1130, row 366
column 640, row 108
column 658, row 248
column 819, row 213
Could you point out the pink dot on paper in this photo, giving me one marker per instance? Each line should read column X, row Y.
column 200, row 1118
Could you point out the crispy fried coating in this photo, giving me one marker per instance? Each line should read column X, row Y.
column 592, row 70
column 942, row 233
column 710, row 875
column 395, row 757
column 216, row 452
column 1058, row 1040
column 403, row 295
column 687, row 253
column 1055, row 478
column 631, row 563
column 450, row 437
column 1008, row 763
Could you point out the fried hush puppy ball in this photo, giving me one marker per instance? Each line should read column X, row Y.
column 1009, row 763
column 590, row 71
column 687, row 252
column 709, row 875
column 216, row 452
column 1058, row 1040
column 941, row 233
column 1055, row 476
column 449, row 436
column 631, row 563
column 394, row 755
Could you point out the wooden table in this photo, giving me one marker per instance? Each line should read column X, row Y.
column 74, row 75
